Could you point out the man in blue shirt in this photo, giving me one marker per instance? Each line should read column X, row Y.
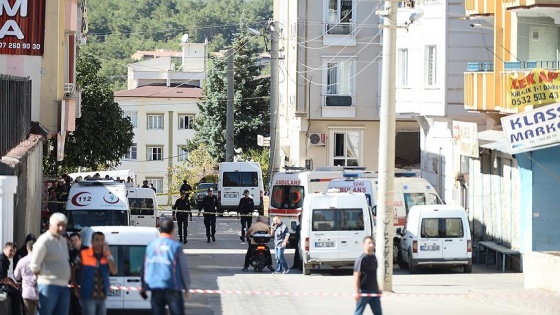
column 166, row 272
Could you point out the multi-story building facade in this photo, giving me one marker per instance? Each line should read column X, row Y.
column 513, row 188
column 162, row 104
column 329, row 81
column 38, row 43
column 432, row 53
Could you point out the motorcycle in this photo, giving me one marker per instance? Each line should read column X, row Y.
column 260, row 252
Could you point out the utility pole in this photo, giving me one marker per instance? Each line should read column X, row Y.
column 230, row 153
column 385, row 228
column 273, row 27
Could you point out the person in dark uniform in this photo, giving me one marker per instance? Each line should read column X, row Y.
column 181, row 216
column 245, row 208
column 210, row 205
column 186, row 189
column 297, row 258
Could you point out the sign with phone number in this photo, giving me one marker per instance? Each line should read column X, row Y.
column 22, row 27
column 538, row 87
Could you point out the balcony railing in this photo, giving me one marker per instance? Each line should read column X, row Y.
column 529, row 3
column 517, row 65
column 480, row 66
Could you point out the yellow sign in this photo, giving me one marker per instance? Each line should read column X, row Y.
column 538, row 87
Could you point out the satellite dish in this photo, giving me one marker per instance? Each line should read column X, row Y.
column 185, row 38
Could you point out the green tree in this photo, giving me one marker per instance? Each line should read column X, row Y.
column 103, row 135
column 199, row 165
column 251, row 102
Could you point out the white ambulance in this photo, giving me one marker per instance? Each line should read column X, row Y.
column 437, row 235
column 409, row 191
column 97, row 203
column 291, row 186
column 233, row 179
column 143, row 207
column 333, row 227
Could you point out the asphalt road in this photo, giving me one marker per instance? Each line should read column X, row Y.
column 217, row 266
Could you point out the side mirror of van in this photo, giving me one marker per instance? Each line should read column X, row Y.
column 399, row 231
column 374, row 210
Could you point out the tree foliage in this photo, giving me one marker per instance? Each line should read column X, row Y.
column 199, row 165
column 103, row 135
column 119, row 28
column 251, row 102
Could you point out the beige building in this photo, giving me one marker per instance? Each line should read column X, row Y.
column 329, row 86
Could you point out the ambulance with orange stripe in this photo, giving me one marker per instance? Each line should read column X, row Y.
column 409, row 190
column 290, row 187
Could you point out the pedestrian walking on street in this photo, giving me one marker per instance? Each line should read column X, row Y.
column 281, row 236
column 166, row 273
column 28, row 280
column 93, row 266
column 182, row 204
column 365, row 279
column 49, row 260
column 245, row 209
column 210, row 206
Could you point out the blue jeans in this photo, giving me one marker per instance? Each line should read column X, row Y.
column 54, row 299
column 171, row 298
column 93, row 307
column 281, row 264
column 374, row 303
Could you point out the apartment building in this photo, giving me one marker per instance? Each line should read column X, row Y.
column 329, row 86
column 162, row 104
column 514, row 182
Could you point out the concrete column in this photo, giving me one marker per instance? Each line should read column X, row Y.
column 8, row 188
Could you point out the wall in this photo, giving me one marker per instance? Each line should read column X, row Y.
column 543, row 50
column 541, row 271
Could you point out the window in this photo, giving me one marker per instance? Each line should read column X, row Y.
column 141, row 206
column 132, row 153
column 241, row 179
column 339, row 78
column 182, row 154
column 154, row 153
column 186, row 121
column 287, row 197
column 419, row 199
column 155, row 121
column 133, row 115
column 129, row 260
column 78, row 219
column 403, row 66
column 442, row 228
column 346, row 148
column 339, row 17
column 337, row 220
column 157, row 182
column 536, row 35
column 431, row 66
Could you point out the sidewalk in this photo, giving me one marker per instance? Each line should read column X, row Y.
column 526, row 301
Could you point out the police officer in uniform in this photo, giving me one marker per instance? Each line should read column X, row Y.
column 245, row 208
column 210, row 206
column 182, row 216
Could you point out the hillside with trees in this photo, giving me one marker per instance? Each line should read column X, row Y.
column 119, row 28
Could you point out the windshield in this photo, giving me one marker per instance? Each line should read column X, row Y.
column 241, row 179
column 78, row 219
column 287, row 197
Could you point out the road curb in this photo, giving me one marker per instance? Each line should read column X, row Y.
column 526, row 301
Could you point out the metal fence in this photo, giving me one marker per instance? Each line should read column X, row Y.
column 15, row 111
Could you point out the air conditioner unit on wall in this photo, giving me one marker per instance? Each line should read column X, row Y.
column 317, row 139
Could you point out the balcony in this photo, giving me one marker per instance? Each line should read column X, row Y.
column 528, row 4
column 522, row 65
column 479, row 91
column 476, row 8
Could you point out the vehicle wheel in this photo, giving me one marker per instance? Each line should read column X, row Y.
column 306, row 268
column 467, row 268
column 411, row 267
column 396, row 251
column 400, row 261
column 260, row 263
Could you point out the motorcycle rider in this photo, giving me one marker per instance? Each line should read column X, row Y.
column 258, row 227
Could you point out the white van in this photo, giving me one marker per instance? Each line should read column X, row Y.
column 333, row 226
column 409, row 191
column 143, row 207
column 97, row 203
column 233, row 179
column 128, row 247
column 437, row 235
